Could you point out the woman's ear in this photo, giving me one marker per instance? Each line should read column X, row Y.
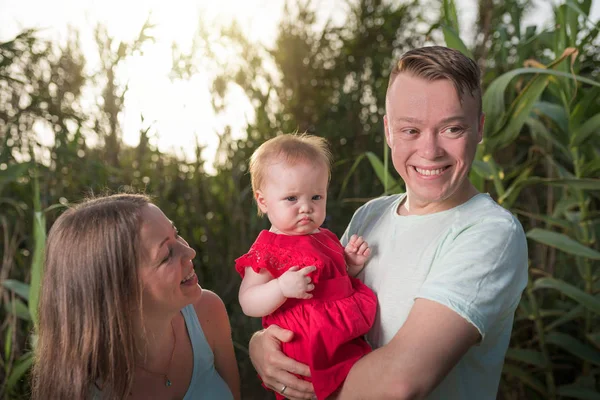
column 261, row 202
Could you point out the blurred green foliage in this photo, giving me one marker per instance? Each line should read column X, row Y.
column 540, row 159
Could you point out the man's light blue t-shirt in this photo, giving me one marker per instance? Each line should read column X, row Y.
column 472, row 259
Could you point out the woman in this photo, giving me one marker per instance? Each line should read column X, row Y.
column 122, row 314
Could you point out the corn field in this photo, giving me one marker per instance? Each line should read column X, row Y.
column 540, row 159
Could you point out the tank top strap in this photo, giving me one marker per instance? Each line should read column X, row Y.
column 203, row 355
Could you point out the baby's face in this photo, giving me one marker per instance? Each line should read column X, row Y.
column 294, row 197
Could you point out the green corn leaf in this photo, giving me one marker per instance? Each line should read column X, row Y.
column 562, row 242
column 382, row 173
column 574, row 6
column 493, row 99
column 594, row 337
column 531, row 357
column 349, row 175
column 583, row 298
column 585, row 131
column 510, row 196
column 483, row 169
column 450, row 15
column 19, row 370
column 454, row 41
column 591, row 168
column 518, row 113
column 8, row 336
column 573, row 183
column 18, row 308
column 555, row 112
column 568, row 317
column 20, row 288
column 524, row 377
column 578, row 184
column 577, row 392
column 561, row 223
column 574, row 346
column 580, row 110
column 539, row 130
column 39, row 236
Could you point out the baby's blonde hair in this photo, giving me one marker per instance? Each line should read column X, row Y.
column 291, row 149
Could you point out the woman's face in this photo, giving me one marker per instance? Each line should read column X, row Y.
column 169, row 282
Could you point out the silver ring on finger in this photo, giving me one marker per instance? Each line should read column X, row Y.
column 283, row 388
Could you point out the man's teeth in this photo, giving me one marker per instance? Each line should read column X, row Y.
column 190, row 276
column 430, row 171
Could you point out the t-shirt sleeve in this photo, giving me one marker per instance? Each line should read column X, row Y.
column 353, row 226
column 481, row 272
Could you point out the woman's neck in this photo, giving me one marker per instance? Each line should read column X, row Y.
column 155, row 340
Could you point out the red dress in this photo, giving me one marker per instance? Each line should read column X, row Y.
column 329, row 327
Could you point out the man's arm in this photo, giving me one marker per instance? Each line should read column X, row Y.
column 430, row 343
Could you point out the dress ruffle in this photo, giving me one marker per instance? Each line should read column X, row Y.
column 276, row 260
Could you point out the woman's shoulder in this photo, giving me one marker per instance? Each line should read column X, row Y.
column 209, row 305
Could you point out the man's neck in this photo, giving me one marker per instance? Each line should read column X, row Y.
column 410, row 206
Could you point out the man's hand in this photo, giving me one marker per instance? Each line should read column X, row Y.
column 275, row 368
column 295, row 282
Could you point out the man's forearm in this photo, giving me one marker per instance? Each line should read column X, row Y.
column 373, row 377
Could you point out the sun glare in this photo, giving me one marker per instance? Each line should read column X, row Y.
column 177, row 113
column 180, row 112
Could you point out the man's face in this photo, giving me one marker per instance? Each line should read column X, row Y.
column 433, row 138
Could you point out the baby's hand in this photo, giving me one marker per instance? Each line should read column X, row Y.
column 357, row 251
column 295, row 282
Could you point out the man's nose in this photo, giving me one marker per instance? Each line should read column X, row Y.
column 429, row 146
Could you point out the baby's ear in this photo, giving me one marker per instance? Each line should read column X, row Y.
column 261, row 201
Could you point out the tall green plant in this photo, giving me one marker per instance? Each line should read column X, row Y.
column 26, row 292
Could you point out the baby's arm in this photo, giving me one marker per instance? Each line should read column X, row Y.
column 356, row 252
column 261, row 294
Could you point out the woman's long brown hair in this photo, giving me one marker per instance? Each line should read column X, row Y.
column 90, row 297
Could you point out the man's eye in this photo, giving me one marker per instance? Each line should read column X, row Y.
column 411, row 132
column 291, row 198
column 317, row 197
column 454, row 130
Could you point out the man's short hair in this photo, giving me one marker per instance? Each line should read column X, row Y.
column 437, row 62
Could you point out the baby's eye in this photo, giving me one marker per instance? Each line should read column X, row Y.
column 317, row 197
column 291, row 198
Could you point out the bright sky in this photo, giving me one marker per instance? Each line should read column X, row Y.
column 179, row 111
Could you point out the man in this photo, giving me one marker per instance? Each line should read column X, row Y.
column 448, row 265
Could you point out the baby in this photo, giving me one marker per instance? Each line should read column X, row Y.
column 297, row 275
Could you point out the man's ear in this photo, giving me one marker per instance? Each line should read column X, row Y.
column 261, row 202
column 386, row 130
column 481, row 124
